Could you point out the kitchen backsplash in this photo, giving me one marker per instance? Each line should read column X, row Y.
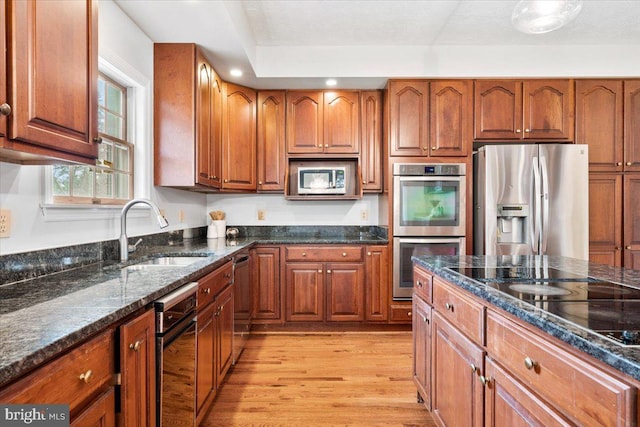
column 24, row 266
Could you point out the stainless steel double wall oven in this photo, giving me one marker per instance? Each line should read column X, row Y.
column 428, row 216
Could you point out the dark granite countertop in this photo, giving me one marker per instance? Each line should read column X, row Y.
column 623, row 358
column 43, row 316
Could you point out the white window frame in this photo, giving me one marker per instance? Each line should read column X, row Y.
column 139, row 131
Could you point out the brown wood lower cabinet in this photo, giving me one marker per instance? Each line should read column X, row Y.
column 265, row 272
column 514, row 375
column 100, row 413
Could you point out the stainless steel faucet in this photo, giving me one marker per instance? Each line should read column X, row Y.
column 124, row 242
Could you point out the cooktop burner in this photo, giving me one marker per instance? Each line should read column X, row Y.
column 567, row 290
column 618, row 320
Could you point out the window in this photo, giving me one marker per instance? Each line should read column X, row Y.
column 110, row 181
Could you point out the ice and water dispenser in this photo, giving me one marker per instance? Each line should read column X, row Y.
column 512, row 224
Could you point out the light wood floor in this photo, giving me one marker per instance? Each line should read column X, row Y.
column 321, row 379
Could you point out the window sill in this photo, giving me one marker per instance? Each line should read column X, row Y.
column 58, row 213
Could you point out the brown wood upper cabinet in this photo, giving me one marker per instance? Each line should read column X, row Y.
column 187, row 118
column 239, row 138
column 271, row 142
column 430, row 118
column 323, row 122
column 371, row 140
column 523, row 110
column 632, row 125
column 52, row 64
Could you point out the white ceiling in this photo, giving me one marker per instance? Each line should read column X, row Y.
column 298, row 44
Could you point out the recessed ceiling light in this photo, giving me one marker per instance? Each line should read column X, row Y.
column 331, row 82
column 236, row 72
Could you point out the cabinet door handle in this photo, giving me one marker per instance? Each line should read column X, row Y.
column 529, row 363
column 619, row 164
column 226, row 180
column 527, row 130
column 628, row 163
column 326, row 145
column 135, row 346
column 628, row 247
column 419, row 283
column 97, row 140
column 434, row 148
column 518, row 131
column 425, row 319
column 486, row 381
column 474, row 368
column 206, row 291
column 85, row 376
column 319, row 271
column 328, row 271
column 448, row 306
column 5, row 109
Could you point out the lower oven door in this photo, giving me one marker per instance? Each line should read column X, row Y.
column 177, row 375
column 406, row 247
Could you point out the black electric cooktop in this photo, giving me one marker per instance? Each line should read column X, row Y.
column 606, row 308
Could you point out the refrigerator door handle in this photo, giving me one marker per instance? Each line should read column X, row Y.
column 536, row 219
column 545, row 205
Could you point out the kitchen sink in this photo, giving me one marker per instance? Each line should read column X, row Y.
column 166, row 261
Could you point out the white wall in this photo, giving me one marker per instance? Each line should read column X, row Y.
column 125, row 46
column 243, row 210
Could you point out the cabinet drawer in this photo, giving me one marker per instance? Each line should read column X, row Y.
column 213, row 283
column 463, row 312
column 580, row 390
column 70, row 379
column 422, row 284
column 323, row 253
column 400, row 314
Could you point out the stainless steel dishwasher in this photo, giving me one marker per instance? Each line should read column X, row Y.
column 243, row 303
column 176, row 357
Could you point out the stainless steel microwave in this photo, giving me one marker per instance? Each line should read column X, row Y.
column 319, row 180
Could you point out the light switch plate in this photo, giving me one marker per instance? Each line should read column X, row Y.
column 5, row 223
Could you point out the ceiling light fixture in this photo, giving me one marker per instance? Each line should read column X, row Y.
column 236, row 72
column 542, row 16
column 331, row 82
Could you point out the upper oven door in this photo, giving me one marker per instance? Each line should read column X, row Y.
column 429, row 205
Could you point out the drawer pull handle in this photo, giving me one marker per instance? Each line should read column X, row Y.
column 85, row 376
column 426, row 320
column 529, row 363
column 207, row 291
column 135, row 346
column 419, row 283
column 408, row 314
column 304, row 254
column 344, row 254
column 485, row 380
column 448, row 306
column 474, row 368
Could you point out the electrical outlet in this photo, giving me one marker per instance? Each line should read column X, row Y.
column 364, row 214
column 5, row 223
column 261, row 214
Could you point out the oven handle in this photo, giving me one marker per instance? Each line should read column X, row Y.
column 176, row 331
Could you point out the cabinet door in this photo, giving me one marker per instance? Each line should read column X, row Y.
column 376, row 306
column 408, row 118
column 239, row 138
column 271, row 145
column 205, row 363
column 4, row 102
column 341, row 121
column 224, row 332
column 451, row 117
column 204, row 103
column 457, row 394
column 548, row 109
column 498, row 109
column 345, row 291
column 304, row 284
column 599, row 122
column 138, row 371
column 422, row 349
column 508, row 403
column 632, row 125
column 216, row 131
column 54, row 76
column 632, row 221
column 304, row 122
column 371, row 140
column 266, row 281
column 100, row 413
column 605, row 219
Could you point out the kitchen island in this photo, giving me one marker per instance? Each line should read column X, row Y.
column 549, row 340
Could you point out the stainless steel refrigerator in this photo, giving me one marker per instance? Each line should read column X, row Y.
column 531, row 199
